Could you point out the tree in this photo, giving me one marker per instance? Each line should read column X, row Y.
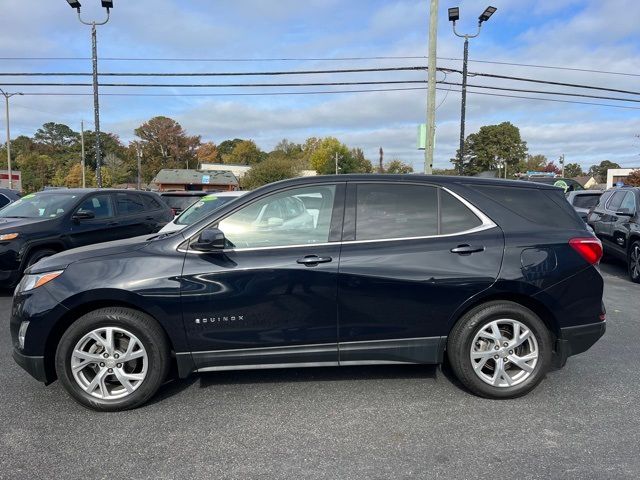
column 110, row 144
column 552, row 167
column 533, row 163
column 271, row 170
column 226, row 147
column 245, row 152
column 572, row 170
column 287, row 149
column 599, row 172
column 37, row 171
column 208, row 153
column 55, row 136
column 633, row 179
column 396, row 166
column 492, row 144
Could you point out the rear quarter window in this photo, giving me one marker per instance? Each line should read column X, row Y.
column 586, row 201
column 542, row 206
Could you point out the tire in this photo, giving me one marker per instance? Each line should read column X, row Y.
column 634, row 262
column 39, row 255
column 484, row 375
column 104, row 384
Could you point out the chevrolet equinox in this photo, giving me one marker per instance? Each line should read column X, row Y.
column 498, row 278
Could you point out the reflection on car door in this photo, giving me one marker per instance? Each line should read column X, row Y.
column 621, row 226
column 131, row 215
column 270, row 297
column 411, row 255
column 92, row 230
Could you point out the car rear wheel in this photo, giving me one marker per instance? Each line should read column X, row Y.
column 634, row 262
column 112, row 359
column 500, row 350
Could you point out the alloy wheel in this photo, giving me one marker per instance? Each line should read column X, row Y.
column 109, row 363
column 504, row 353
column 634, row 262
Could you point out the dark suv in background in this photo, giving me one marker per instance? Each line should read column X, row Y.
column 616, row 221
column 42, row 224
column 324, row 271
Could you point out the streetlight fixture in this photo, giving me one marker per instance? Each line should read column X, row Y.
column 108, row 5
column 454, row 15
column 7, row 96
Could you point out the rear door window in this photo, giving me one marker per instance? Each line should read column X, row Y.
column 129, row 203
column 3, row 200
column 586, row 201
column 386, row 211
column 99, row 205
column 629, row 203
column 455, row 216
column 151, row 203
column 616, row 201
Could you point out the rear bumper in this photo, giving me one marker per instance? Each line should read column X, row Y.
column 578, row 339
column 32, row 364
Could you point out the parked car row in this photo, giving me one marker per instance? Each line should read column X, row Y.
column 337, row 270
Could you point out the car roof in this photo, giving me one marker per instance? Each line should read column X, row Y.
column 82, row 191
column 185, row 193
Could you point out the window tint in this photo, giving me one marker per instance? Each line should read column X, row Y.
column 129, row 203
column 396, row 211
column 586, row 201
column 151, row 203
column 282, row 219
column 629, row 202
column 180, row 202
column 100, row 205
column 455, row 216
column 3, row 201
column 546, row 207
column 616, row 201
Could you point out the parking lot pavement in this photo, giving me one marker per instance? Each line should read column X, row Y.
column 362, row 422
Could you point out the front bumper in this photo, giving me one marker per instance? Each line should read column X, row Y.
column 33, row 365
column 578, row 339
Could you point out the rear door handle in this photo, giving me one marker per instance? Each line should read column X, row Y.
column 467, row 249
column 312, row 260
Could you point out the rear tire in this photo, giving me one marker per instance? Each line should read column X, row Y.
column 112, row 359
column 634, row 262
column 500, row 350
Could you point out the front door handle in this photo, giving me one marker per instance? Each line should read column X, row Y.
column 467, row 249
column 312, row 260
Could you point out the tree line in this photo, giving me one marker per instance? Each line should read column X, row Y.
column 51, row 157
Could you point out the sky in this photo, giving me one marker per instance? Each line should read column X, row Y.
column 39, row 36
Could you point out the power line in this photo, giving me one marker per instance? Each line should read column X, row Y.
column 213, row 85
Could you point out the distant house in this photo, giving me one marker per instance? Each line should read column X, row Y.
column 615, row 175
column 241, row 170
column 194, row 180
column 588, row 182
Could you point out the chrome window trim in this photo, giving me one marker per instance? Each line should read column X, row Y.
column 486, row 224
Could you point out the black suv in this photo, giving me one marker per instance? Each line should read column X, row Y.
column 336, row 270
column 44, row 223
column 8, row 196
column 616, row 222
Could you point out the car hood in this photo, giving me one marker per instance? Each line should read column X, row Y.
column 171, row 227
column 11, row 223
column 62, row 260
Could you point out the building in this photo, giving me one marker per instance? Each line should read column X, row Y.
column 615, row 175
column 241, row 170
column 588, row 182
column 15, row 176
column 194, row 180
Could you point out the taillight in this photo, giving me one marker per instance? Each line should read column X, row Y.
column 589, row 248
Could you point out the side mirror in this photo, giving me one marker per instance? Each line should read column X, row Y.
column 210, row 240
column 625, row 212
column 83, row 215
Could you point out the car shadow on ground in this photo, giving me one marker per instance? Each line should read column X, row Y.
column 614, row 267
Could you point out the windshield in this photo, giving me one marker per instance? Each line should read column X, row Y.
column 40, row 205
column 201, row 209
column 179, row 202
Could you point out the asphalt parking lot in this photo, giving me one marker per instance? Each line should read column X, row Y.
column 360, row 422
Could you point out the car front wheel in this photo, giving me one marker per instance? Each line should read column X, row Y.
column 634, row 262
column 500, row 350
column 112, row 359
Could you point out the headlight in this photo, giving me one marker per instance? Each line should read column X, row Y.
column 8, row 236
column 22, row 333
column 29, row 282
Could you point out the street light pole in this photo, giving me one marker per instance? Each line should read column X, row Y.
column 108, row 4
column 454, row 15
column 7, row 96
column 82, row 162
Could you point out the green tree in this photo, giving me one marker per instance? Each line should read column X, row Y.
column 397, row 166
column 245, row 152
column 55, row 136
column 533, row 163
column 110, row 144
column 492, row 144
column 271, row 170
column 572, row 170
column 599, row 172
column 37, row 171
column 226, row 147
column 287, row 149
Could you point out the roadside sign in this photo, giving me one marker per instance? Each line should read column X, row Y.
column 422, row 136
column 206, row 179
column 15, row 176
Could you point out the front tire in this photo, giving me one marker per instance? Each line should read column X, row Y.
column 112, row 359
column 634, row 262
column 500, row 350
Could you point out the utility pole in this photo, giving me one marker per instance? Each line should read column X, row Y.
column 82, row 160
column 108, row 4
column 431, row 88
column 562, row 164
column 381, row 166
column 454, row 15
column 7, row 96
column 139, row 155
column 337, row 168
